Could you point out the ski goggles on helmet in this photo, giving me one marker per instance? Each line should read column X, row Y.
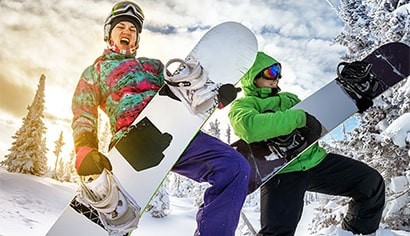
column 128, row 8
column 272, row 72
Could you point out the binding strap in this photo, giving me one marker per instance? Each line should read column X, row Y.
column 191, row 85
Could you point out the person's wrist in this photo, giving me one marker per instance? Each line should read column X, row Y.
column 81, row 153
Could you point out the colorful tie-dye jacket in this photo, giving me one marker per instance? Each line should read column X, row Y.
column 118, row 84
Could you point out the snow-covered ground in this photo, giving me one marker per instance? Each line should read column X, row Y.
column 181, row 220
column 29, row 204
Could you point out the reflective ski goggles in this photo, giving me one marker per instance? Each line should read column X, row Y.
column 125, row 8
column 272, row 72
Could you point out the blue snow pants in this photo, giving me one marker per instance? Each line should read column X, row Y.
column 207, row 159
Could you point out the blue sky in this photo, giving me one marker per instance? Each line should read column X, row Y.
column 61, row 38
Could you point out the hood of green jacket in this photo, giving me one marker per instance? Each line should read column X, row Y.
column 262, row 61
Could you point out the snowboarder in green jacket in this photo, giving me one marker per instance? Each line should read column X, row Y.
column 264, row 113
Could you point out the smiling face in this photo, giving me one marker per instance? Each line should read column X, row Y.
column 261, row 82
column 125, row 35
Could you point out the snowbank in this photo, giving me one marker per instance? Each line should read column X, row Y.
column 399, row 131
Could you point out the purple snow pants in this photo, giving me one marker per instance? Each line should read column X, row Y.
column 208, row 159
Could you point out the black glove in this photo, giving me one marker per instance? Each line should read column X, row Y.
column 363, row 104
column 313, row 129
column 226, row 94
column 89, row 161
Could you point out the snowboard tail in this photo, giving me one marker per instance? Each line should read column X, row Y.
column 388, row 65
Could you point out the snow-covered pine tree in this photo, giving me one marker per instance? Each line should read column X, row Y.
column 160, row 205
column 70, row 174
column 174, row 180
column 65, row 171
column 59, row 143
column 60, row 171
column 228, row 134
column 198, row 193
column 369, row 144
column 355, row 35
column 369, row 24
column 179, row 185
column 391, row 20
column 372, row 23
column 28, row 151
column 214, row 129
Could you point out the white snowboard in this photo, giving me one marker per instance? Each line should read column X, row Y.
column 226, row 52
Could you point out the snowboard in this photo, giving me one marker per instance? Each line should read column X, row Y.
column 142, row 158
column 331, row 105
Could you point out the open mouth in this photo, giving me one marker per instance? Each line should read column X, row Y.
column 125, row 41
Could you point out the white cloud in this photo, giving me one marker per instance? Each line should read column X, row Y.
column 61, row 38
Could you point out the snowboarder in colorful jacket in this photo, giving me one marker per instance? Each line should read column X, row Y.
column 121, row 85
column 264, row 113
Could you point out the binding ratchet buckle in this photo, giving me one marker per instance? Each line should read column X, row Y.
column 357, row 77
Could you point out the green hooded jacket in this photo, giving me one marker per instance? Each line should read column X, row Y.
column 259, row 115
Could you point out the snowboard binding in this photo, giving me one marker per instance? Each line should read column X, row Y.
column 190, row 83
column 116, row 211
column 359, row 82
column 288, row 146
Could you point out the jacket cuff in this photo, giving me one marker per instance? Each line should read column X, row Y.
column 82, row 152
column 85, row 139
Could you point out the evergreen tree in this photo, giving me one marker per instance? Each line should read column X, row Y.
column 59, row 173
column 228, row 134
column 28, row 151
column 198, row 192
column 355, row 35
column 214, row 129
column 367, row 143
column 160, row 204
column 180, row 186
column 371, row 23
column 70, row 172
column 59, row 143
